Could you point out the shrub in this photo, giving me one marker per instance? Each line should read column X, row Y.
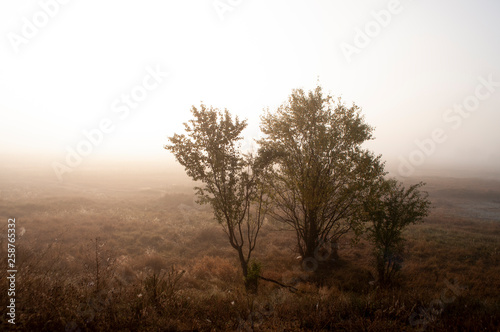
column 210, row 267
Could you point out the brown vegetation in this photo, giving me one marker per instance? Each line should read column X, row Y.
column 163, row 264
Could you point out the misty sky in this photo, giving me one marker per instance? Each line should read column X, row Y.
column 75, row 70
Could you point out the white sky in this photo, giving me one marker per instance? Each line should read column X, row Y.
column 66, row 77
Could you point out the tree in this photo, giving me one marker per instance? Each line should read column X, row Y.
column 390, row 210
column 320, row 174
column 210, row 153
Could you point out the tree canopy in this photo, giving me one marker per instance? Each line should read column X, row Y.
column 320, row 174
column 210, row 153
column 390, row 209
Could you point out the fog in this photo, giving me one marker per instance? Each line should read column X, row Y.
column 98, row 87
column 102, row 229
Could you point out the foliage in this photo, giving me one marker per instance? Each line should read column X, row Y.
column 210, row 153
column 321, row 174
column 390, row 210
column 252, row 277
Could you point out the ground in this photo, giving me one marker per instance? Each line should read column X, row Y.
column 102, row 254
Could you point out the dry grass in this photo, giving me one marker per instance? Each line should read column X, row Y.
column 146, row 235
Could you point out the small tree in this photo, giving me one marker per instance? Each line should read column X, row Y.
column 320, row 172
column 210, row 153
column 389, row 211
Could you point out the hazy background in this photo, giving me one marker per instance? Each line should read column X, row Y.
column 65, row 79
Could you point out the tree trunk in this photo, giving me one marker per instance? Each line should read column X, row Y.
column 251, row 282
column 381, row 270
column 243, row 262
column 311, row 238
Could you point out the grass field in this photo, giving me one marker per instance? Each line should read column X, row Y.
column 144, row 256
